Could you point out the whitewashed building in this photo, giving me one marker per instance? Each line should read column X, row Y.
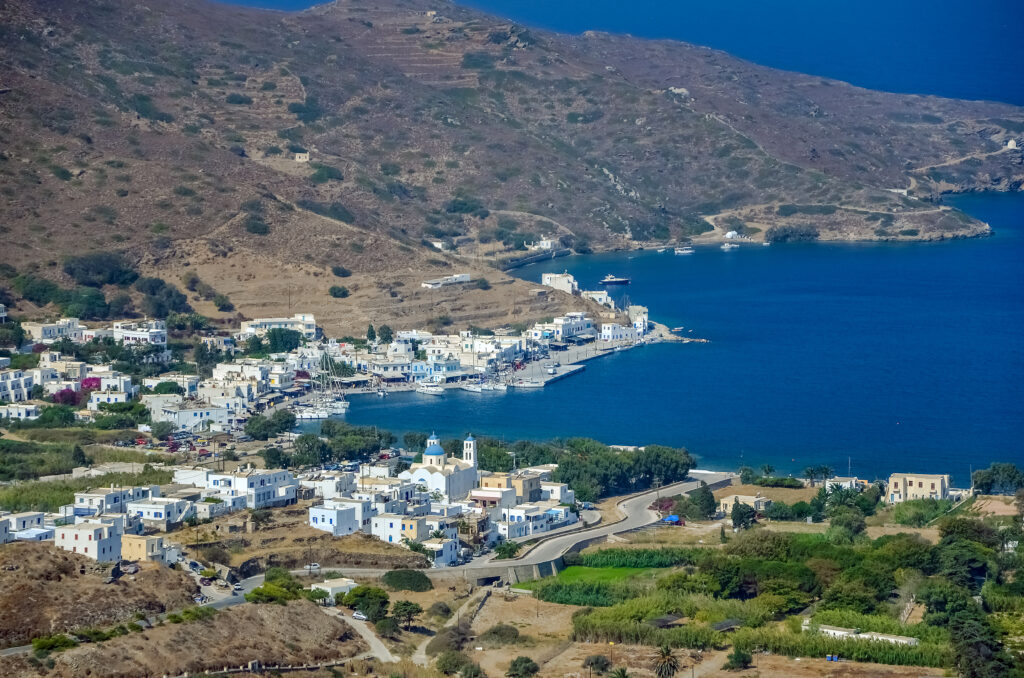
column 451, row 478
column 94, row 541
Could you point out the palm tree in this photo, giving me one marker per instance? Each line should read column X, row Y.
column 811, row 473
column 767, row 469
column 619, row 673
column 666, row 664
column 437, row 534
column 825, row 472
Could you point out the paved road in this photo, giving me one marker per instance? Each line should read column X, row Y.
column 634, row 508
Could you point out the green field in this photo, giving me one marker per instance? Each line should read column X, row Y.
column 576, row 573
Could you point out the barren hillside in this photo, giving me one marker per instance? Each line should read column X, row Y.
column 177, row 132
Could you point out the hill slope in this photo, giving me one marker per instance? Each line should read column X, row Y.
column 170, row 131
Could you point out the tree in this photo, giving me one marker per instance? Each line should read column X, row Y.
column 738, row 659
column 405, row 611
column 811, row 473
column 275, row 457
column 666, row 664
column 703, row 500
column 743, row 516
column 385, row 334
column 387, row 627
column 450, row 662
column 222, row 303
column 370, row 600
column 282, row 341
column 522, row 667
column 254, row 345
column 259, row 427
column 338, row 291
column 318, row 595
column 506, row 550
column 371, row 335
column 848, row 519
column 767, row 469
column 38, row 392
column 747, row 475
column 999, row 478
column 281, row 421
column 161, row 429
column 407, row 580
column 310, row 450
column 167, row 388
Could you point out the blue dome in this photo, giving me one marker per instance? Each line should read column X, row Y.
column 470, row 438
column 434, row 450
column 433, row 440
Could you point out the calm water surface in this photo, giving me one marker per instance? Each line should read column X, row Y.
column 880, row 356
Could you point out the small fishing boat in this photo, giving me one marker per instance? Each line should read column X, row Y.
column 661, row 249
column 729, row 246
column 684, row 250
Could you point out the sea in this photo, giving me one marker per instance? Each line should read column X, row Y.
column 868, row 357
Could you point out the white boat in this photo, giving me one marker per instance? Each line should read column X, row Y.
column 500, row 386
column 428, row 389
column 309, row 413
column 765, row 244
column 381, row 393
column 661, row 249
column 528, row 383
column 684, row 250
column 728, row 246
column 472, row 388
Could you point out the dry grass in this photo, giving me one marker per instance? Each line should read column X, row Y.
column 994, row 505
column 790, row 496
column 273, row 634
column 544, row 631
column 45, row 590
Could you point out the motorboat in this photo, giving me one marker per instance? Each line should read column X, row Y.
column 684, row 250
column 472, row 388
column 661, row 249
column 729, row 246
column 614, row 280
column 430, row 389
column 528, row 383
column 381, row 393
column 766, row 244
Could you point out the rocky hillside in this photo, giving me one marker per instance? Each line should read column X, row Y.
column 177, row 133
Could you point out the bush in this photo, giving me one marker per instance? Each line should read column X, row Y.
column 387, row 628
column 451, row 662
column 483, row 284
column 598, row 663
column 407, row 580
column 44, row 645
column 341, row 271
column 522, row 667
column 222, row 303
column 100, row 268
column 791, row 233
column 919, row 512
column 238, row 99
column 449, row 638
column 254, row 224
column 738, row 660
column 325, row 173
column 440, row 609
column 499, row 634
column 338, row 291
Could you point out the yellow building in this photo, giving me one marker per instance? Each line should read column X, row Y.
column 138, row 547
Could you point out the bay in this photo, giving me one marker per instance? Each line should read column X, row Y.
column 872, row 357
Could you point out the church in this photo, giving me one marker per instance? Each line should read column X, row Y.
column 453, row 478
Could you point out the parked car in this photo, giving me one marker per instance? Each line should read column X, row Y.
column 314, row 566
column 237, row 587
column 359, row 615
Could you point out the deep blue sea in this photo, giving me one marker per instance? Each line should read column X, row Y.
column 954, row 48
column 876, row 357
column 882, row 356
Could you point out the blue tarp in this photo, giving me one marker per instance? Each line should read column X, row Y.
column 670, row 519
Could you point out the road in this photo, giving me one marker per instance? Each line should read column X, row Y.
column 634, row 508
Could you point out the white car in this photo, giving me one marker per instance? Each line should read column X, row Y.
column 359, row 615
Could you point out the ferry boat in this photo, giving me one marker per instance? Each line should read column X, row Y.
column 684, row 250
column 428, row 389
column 729, row 246
column 613, row 280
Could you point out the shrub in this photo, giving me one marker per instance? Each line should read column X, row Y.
column 451, row 662
column 738, row 660
column 222, row 303
column 255, row 224
column 522, row 667
column 449, row 638
column 387, row 627
column 338, row 291
column 483, row 284
column 407, row 580
column 335, row 210
column 44, row 645
column 499, row 634
column 325, row 173
column 598, row 663
column 341, row 271
column 791, row 233
column 100, row 268
column 238, row 99
column 440, row 609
